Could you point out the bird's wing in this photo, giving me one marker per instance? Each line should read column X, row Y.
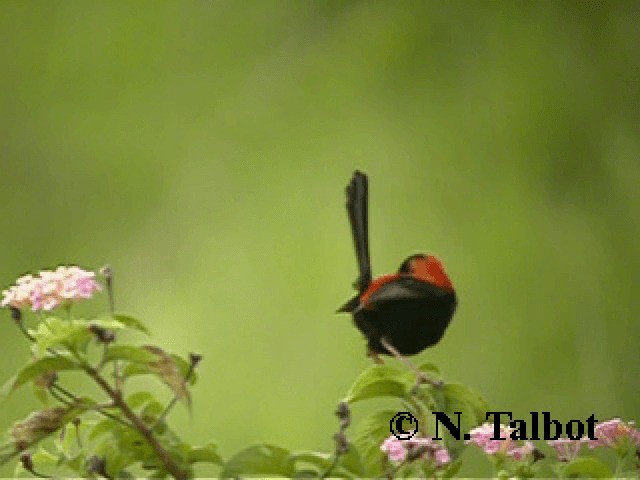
column 403, row 288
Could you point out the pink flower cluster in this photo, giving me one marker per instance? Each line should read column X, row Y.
column 49, row 289
column 612, row 432
column 566, row 449
column 482, row 436
column 399, row 450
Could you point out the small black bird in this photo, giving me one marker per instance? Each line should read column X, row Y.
column 400, row 313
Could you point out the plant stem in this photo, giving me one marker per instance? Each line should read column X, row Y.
column 169, row 464
column 98, row 408
column 57, row 387
column 342, row 444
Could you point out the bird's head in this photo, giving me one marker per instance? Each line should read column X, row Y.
column 427, row 268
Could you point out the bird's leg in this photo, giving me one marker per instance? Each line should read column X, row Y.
column 371, row 353
column 421, row 377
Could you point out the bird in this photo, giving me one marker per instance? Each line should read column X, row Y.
column 402, row 313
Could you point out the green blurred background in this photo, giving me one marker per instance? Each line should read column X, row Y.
column 202, row 149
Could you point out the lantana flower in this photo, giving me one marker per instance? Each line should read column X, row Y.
column 50, row 289
column 613, row 432
column 482, row 436
column 418, row 447
column 566, row 449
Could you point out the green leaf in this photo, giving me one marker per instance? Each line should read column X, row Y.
column 586, row 467
column 261, row 460
column 73, row 335
column 132, row 323
column 100, row 428
column 38, row 368
column 429, row 367
column 205, row 454
column 107, row 324
column 452, row 469
column 120, row 321
column 139, row 399
column 184, row 367
column 42, row 460
column 370, row 434
column 153, row 360
column 455, row 397
column 352, row 463
column 41, row 393
column 349, row 464
column 129, row 353
column 166, row 368
column 41, row 372
column 67, row 441
column 305, row 458
column 380, row 381
column 307, row 473
column 152, row 411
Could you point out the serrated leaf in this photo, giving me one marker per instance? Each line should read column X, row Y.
column 379, row 381
column 586, row 467
column 260, row 460
column 205, row 454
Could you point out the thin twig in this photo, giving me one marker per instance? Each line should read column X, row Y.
column 74, row 399
column 342, row 444
column 107, row 272
column 55, row 394
column 169, row 463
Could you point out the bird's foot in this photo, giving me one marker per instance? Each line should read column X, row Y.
column 377, row 359
column 423, row 379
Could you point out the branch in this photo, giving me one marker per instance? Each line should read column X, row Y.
column 342, row 444
column 169, row 463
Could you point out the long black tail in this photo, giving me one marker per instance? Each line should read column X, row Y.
column 357, row 208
